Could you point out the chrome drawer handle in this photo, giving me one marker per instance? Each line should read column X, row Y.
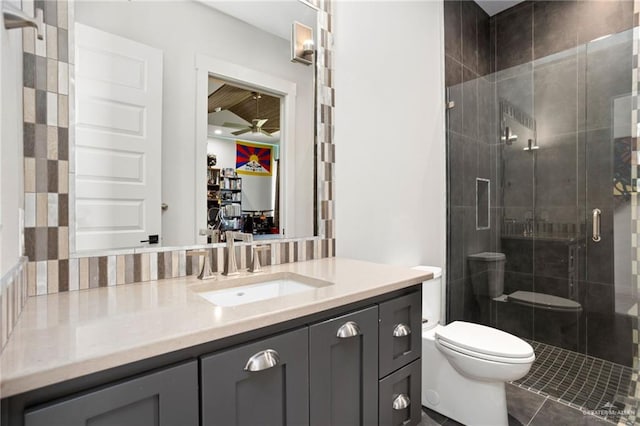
column 401, row 330
column 263, row 360
column 401, row 402
column 348, row 329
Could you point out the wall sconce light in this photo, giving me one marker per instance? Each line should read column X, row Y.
column 302, row 45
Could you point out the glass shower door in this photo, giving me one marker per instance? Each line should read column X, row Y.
column 609, row 291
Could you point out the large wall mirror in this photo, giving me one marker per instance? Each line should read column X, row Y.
column 190, row 116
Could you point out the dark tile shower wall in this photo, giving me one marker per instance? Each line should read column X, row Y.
column 537, row 59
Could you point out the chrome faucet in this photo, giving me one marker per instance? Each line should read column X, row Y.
column 205, row 271
column 213, row 233
column 16, row 18
column 255, row 258
column 230, row 266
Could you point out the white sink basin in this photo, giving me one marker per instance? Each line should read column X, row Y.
column 271, row 286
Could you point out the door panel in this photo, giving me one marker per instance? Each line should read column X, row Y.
column 164, row 398
column 344, row 370
column 118, row 140
column 275, row 395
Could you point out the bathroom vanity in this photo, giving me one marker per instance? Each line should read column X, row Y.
column 347, row 351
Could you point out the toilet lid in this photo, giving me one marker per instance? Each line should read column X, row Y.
column 544, row 301
column 480, row 339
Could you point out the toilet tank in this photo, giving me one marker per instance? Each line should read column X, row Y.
column 487, row 273
column 431, row 296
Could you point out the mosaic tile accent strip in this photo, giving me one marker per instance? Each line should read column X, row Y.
column 13, row 295
column 325, row 148
column 150, row 265
column 48, row 155
column 593, row 385
column 46, row 149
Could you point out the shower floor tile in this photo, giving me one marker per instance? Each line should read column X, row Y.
column 591, row 385
column 526, row 408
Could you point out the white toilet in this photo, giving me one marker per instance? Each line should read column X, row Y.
column 465, row 365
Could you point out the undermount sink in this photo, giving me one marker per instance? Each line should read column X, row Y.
column 262, row 287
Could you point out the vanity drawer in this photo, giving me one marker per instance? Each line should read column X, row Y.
column 399, row 400
column 399, row 332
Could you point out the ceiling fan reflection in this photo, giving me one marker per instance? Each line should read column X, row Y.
column 256, row 124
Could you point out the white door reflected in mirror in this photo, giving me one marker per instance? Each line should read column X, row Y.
column 118, row 140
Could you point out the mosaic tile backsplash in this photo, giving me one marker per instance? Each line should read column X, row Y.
column 13, row 295
column 109, row 270
column 47, row 65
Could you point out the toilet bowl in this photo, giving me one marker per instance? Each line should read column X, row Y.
column 484, row 353
column 465, row 365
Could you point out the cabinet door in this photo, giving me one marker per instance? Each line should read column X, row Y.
column 262, row 383
column 400, row 332
column 343, row 370
column 165, row 398
column 400, row 398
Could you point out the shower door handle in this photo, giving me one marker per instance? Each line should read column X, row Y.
column 596, row 225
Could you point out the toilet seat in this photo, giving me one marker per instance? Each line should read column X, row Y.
column 485, row 343
column 544, row 301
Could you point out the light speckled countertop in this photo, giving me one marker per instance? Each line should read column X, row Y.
column 64, row 336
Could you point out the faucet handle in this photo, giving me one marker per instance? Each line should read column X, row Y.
column 255, row 258
column 205, row 271
column 214, row 234
column 242, row 236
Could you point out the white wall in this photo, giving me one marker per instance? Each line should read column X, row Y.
column 182, row 30
column 225, row 152
column 389, row 132
column 11, row 162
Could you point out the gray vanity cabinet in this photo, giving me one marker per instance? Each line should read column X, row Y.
column 164, row 398
column 262, row 383
column 400, row 332
column 343, row 369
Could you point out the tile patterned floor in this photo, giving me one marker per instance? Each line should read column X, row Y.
column 527, row 408
column 566, row 388
column 581, row 382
